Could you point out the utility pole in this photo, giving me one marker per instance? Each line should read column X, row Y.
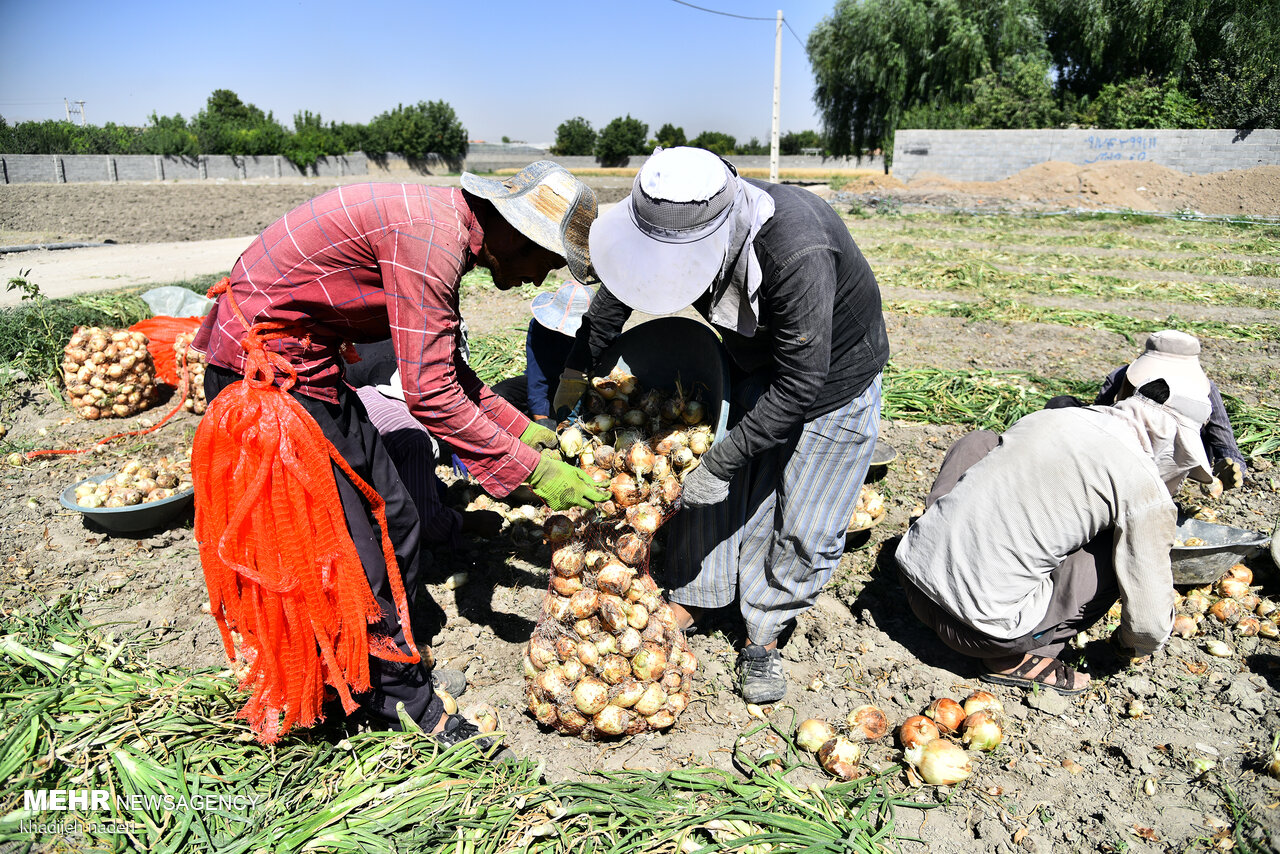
column 79, row 109
column 777, row 99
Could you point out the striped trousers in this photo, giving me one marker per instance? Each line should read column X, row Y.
column 774, row 542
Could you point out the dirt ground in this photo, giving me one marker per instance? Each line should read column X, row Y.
column 1074, row 774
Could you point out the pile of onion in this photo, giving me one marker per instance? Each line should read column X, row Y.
column 1230, row 603
column 607, row 657
column 108, row 373
column 137, row 482
column 925, row 744
column 194, row 360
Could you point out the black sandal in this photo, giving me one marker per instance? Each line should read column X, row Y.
column 1021, row 677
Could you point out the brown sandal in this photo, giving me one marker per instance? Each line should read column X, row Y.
column 1021, row 677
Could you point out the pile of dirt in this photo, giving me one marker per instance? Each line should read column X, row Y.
column 1129, row 185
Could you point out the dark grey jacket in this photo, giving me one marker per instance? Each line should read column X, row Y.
column 821, row 339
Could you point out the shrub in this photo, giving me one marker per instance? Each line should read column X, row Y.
column 620, row 139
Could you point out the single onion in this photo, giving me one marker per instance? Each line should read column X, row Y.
column 1248, row 626
column 613, row 612
column 670, row 489
column 570, row 720
column 640, row 459
column 606, row 643
column 584, row 603
column 1184, row 626
column 661, row 467
column 631, row 549
column 572, row 442
column 946, row 713
column 542, row 652
column 1232, row 588
column 682, row 457
column 625, row 439
column 484, row 716
column 614, row 577
column 613, row 669
column 814, row 733
column 981, row 730
column 1225, row 611
column 567, row 561
column 530, row 671
column 566, row 647
column 694, row 412
column 585, row 628
column 868, row 722
column 1268, row 629
column 587, row 653
column 543, row 711
column 661, row 719
column 637, row 616
column 557, row 529
column 917, row 731
column 651, row 700
column 590, row 695
column 677, row 702
column 980, row 700
column 551, row 682
column 668, row 440
column 649, row 662
column 629, row 641
column 573, row 670
column 604, row 456
column 628, row 693
column 624, row 489
column 1197, row 602
column 612, row 720
column 700, row 440
column 942, row 763
column 1249, row 601
column 565, row 586
column 645, row 518
column 671, row 408
column 601, row 422
column 840, row 757
column 1241, row 572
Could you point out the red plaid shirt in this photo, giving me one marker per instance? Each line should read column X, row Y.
column 361, row 263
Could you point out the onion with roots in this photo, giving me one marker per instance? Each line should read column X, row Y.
column 631, row 549
column 626, row 492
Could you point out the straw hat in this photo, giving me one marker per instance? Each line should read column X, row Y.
column 548, row 205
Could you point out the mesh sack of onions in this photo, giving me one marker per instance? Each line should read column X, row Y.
column 108, row 372
column 193, row 361
column 607, row 657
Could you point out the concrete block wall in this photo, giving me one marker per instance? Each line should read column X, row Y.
column 990, row 155
column 490, row 161
column 75, row 168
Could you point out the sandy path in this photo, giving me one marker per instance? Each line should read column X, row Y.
column 63, row 272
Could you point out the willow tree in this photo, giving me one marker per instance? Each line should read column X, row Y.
column 875, row 59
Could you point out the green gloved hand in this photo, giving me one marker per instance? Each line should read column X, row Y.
column 539, row 438
column 563, row 486
column 573, row 385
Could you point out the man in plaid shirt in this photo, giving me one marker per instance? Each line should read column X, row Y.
column 362, row 263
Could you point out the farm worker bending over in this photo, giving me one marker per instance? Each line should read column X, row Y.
column 775, row 271
column 364, row 262
column 1217, row 434
column 1029, row 537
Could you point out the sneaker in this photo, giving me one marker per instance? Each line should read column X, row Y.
column 458, row 729
column 760, row 676
column 452, row 682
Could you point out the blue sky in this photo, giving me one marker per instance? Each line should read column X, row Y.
column 507, row 68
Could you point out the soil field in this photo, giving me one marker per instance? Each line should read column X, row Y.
column 1167, row 756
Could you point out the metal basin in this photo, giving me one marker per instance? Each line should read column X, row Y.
column 133, row 519
column 1224, row 547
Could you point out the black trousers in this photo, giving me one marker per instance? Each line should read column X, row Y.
column 346, row 425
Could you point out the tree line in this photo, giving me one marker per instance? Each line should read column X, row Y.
column 625, row 136
column 880, row 65
column 228, row 125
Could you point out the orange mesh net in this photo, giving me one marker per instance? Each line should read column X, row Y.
column 279, row 562
column 161, row 332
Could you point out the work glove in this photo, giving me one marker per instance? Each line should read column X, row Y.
column 701, row 487
column 563, row 486
column 573, row 385
column 539, row 438
column 1228, row 471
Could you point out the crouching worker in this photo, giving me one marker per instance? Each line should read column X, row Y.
column 1029, row 537
column 308, row 537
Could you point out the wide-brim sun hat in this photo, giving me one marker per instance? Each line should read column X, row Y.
column 663, row 246
column 562, row 310
column 548, row 205
column 1174, row 357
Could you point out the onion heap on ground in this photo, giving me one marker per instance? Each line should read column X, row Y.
column 869, row 510
column 108, row 372
column 137, row 482
column 1231, row 602
column 607, row 657
column 194, row 362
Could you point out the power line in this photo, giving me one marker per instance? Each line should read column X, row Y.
column 741, row 17
column 714, row 12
